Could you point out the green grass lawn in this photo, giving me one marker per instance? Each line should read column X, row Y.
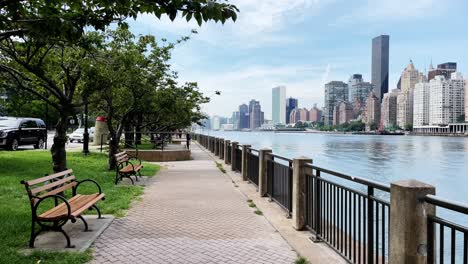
column 15, row 210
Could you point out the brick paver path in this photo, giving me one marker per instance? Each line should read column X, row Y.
column 192, row 213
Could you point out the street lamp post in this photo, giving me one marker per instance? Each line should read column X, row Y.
column 86, row 134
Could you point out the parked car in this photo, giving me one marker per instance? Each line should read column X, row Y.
column 77, row 135
column 16, row 132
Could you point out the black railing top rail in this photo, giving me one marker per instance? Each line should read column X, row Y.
column 279, row 157
column 447, row 204
column 381, row 186
column 254, row 150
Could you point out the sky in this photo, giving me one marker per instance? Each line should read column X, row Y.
column 304, row 44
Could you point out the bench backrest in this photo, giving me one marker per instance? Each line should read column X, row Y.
column 122, row 157
column 50, row 185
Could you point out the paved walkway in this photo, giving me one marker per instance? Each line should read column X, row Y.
column 192, row 213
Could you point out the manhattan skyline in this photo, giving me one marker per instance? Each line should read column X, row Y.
column 303, row 44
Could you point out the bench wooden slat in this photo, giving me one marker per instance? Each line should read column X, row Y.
column 52, row 185
column 129, row 168
column 60, row 189
column 49, row 177
column 78, row 204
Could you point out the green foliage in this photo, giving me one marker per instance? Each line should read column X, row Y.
column 15, row 215
column 252, row 205
column 409, row 127
column 50, row 21
column 301, row 260
column 258, row 212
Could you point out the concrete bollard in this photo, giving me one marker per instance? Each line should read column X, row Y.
column 299, row 191
column 245, row 161
column 233, row 155
column 216, row 146
column 262, row 171
column 408, row 221
column 226, row 149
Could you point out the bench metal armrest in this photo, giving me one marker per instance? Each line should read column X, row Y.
column 135, row 158
column 87, row 180
column 60, row 197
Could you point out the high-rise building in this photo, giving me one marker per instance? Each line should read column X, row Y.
column 216, row 122
column 359, row 91
column 256, row 114
column 380, row 62
column 466, row 101
column 342, row 113
column 235, row 119
column 244, row 119
column 389, row 109
column 335, row 92
column 299, row 114
column 409, row 78
column 421, row 104
column 445, row 69
column 447, row 99
column 291, row 104
column 278, row 105
column 315, row 114
column 373, row 108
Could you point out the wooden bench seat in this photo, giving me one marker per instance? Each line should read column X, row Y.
column 126, row 168
column 53, row 187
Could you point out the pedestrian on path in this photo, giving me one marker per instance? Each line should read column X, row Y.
column 188, row 137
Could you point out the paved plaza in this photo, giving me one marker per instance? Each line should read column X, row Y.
column 192, row 213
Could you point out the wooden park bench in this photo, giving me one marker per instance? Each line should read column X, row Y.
column 53, row 188
column 125, row 168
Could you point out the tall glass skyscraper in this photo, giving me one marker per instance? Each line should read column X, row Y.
column 291, row 104
column 279, row 105
column 380, row 60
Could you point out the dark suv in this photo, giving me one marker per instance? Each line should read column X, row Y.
column 22, row 131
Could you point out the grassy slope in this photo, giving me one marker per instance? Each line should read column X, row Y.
column 15, row 211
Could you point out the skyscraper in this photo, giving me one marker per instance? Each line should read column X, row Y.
column 291, row 104
column 279, row 105
column 335, row 92
column 389, row 109
column 373, row 108
column 446, row 100
column 315, row 114
column 358, row 91
column 421, row 104
column 380, row 61
column 256, row 115
column 235, row 119
column 244, row 120
column 445, row 69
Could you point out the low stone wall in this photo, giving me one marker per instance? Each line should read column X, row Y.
column 158, row 155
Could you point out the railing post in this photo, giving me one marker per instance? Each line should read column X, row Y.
column 262, row 171
column 408, row 221
column 245, row 161
column 221, row 148
column 216, row 146
column 226, row 149
column 233, row 155
column 299, row 191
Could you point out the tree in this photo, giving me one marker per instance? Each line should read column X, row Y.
column 43, row 45
column 49, row 21
column 409, row 127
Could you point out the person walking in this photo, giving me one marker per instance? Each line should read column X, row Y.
column 188, row 137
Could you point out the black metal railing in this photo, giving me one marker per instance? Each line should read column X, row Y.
column 238, row 157
column 252, row 166
column 353, row 221
column 229, row 153
column 447, row 241
column 279, row 179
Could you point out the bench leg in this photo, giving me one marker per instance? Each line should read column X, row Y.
column 97, row 210
column 34, row 234
column 69, row 245
column 84, row 222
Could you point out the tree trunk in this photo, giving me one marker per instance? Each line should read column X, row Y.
column 59, row 154
column 138, row 129
column 129, row 135
column 113, row 145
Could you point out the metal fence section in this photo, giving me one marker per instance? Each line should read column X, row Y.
column 238, row 157
column 447, row 241
column 252, row 166
column 229, row 153
column 279, row 179
column 353, row 221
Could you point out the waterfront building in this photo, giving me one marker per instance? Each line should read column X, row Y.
column 389, row 109
column 445, row 69
column 216, row 122
column 421, row 104
column 244, row 119
column 372, row 114
column 299, row 114
column 235, row 120
column 335, row 92
column 409, row 78
column 278, row 105
column 315, row 114
column 256, row 115
column 359, row 91
column 342, row 113
column 466, row 101
column 380, row 64
column 291, row 104
column 447, row 99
